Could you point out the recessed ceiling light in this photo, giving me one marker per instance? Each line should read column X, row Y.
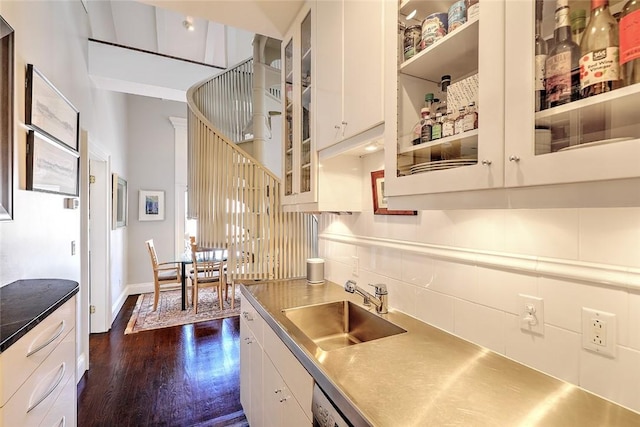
column 412, row 14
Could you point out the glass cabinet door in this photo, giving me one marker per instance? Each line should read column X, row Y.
column 305, row 104
column 449, row 97
column 288, row 123
column 572, row 114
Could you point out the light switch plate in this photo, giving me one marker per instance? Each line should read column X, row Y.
column 599, row 332
column 531, row 311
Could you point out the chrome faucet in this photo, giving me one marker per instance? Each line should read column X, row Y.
column 379, row 299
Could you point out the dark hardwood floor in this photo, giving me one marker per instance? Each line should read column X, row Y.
column 179, row 376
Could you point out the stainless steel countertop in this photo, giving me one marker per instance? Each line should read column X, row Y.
column 427, row 377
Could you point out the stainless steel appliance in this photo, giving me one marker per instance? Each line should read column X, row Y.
column 324, row 413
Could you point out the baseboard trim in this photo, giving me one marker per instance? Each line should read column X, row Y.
column 81, row 366
column 599, row 274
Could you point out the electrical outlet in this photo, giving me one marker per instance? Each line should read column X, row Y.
column 599, row 331
column 531, row 314
column 355, row 265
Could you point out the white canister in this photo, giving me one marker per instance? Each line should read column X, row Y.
column 315, row 271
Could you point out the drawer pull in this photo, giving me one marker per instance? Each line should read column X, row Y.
column 49, row 341
column 62, row 369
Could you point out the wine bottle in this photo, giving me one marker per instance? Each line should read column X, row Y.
column 630, row 42
column 599, row 63
column 540, row 60
column 562, row 68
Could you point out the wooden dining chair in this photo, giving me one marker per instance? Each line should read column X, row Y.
column 164, row 273
column 206, row 273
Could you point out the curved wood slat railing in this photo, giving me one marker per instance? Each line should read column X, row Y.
column 235, row 199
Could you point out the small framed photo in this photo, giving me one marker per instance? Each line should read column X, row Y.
column 380, row 200
column 48, row 111
column 51, row 167
column 151, row 206
column 119, row 202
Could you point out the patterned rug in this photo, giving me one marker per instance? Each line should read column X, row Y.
column 169, row 312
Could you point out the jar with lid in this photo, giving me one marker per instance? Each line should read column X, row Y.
column 457, row 15
column 436, row 129
column 470, row 118
column 412, row 41
column 473, row 9
column 459, row 124
column 448, row 125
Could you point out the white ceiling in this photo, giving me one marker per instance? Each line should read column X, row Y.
column 223, row 31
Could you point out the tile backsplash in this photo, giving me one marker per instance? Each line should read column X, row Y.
column 479, row 302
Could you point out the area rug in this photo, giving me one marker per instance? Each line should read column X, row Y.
column 170, row 313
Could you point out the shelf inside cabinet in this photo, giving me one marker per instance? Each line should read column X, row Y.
column 463, row 137
column 456, row 54
column 594, row 120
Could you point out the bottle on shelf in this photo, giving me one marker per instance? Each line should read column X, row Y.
column 578, row 24
column 470, row 121
column 428, row 102
column 445, row 81
column 562, row 68
column 600, row 61
column 427, row 125
column 630, row 42
column 540, row 61
column 436, row 129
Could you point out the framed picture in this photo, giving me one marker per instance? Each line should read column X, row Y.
column 379, row 199
column 119, row 202
column 151, row 206
column 6, row 120
column 48, row 111
column 51, row 167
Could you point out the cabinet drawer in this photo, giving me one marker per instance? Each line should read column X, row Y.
column 64, row 410
column 255, row 322
column 298, row 380
column 26, row 354
column 29, row 405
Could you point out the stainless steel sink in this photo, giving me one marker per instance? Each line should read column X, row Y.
column 340, row 324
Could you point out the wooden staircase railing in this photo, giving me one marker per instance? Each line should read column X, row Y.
column 235, row 199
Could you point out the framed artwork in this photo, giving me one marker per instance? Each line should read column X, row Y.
column 51, row 167
column 48, row 111
column 379, row 199
column 6, row 120
column 119, row 202
column 151, row 206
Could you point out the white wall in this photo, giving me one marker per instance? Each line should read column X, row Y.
column 151, row 167
column 37, row 243
column 456, row 283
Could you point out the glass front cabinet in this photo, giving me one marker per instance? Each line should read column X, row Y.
column 299, row 148
column 481, row 103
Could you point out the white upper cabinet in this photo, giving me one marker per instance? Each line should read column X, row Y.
column 298, row 80
column 582, row 153
column 473, row 56
column 590, row 139
column 349, row 45
column 313, row 78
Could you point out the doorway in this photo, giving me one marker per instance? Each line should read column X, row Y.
column 100, row 317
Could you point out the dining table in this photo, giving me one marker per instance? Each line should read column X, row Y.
column 205, row 254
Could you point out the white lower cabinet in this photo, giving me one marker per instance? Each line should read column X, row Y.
column 275, row 389
column 251, row 354
column 280, row 407
column 39, row 372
